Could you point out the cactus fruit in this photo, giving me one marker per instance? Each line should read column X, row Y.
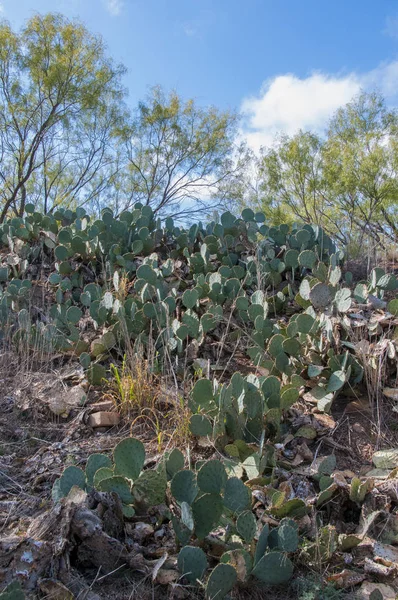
column 192, row 563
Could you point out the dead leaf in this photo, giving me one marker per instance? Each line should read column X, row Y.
column 346, row 579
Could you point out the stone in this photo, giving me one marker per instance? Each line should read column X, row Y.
column 104, row 419
column 386, row 459
column 387, row 592
column 104, row 405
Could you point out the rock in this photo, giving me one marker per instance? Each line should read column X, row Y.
column 386, row 459
column 391, row 393
column 55, row 590
column 105, row 405
column 142, row 531
column 166, row 576
column 104, row 419
column 62, row 402
column 357, row 427
column 388, row 593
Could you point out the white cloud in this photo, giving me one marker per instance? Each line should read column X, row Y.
column 287, row 103
column 114, row 7
column 1, row 8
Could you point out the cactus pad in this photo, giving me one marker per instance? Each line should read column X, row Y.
column 237, row 497
column 212, row 477
column 184, row 487
column 129, row 457
column 94, row 463
column 221, row 581
column 70, row 477
column 207, row 510
column 192, row 563
column 273, row 568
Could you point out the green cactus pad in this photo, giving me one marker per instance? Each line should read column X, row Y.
column 305, row 323
column 146, row 273
column 291, row 259
column 96, row 374
column 221, row 581
column 200, row 425
column 293, row 508
column 321, row 295
column 207, row 510
column 150, row 488
column 288, row 539
column 129, row 457
column 94, row 463
column 103, row 473
column 13, row 592
column 73, row 314
column 190, row 298
column 202, row 394
column 128, row 511
column 262, row 543
column 237, row 496
column 241, row 561
column 273, row 568
column 246, row 526
column 174, row 463
column 336, row 381
column 343, row 300
column 307, row 259
column 212, row 477
column 70, row 477
column 184, row 486
column 192, row 563
column 119, row 485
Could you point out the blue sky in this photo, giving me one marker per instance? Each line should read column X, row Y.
column 284, row 63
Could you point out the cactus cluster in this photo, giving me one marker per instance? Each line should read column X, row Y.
column 123, row 475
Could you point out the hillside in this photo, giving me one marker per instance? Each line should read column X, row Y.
column 194, row 412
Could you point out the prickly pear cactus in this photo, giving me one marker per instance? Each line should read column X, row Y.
column 221, row 581
column 192, row 563
column 129, row 457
